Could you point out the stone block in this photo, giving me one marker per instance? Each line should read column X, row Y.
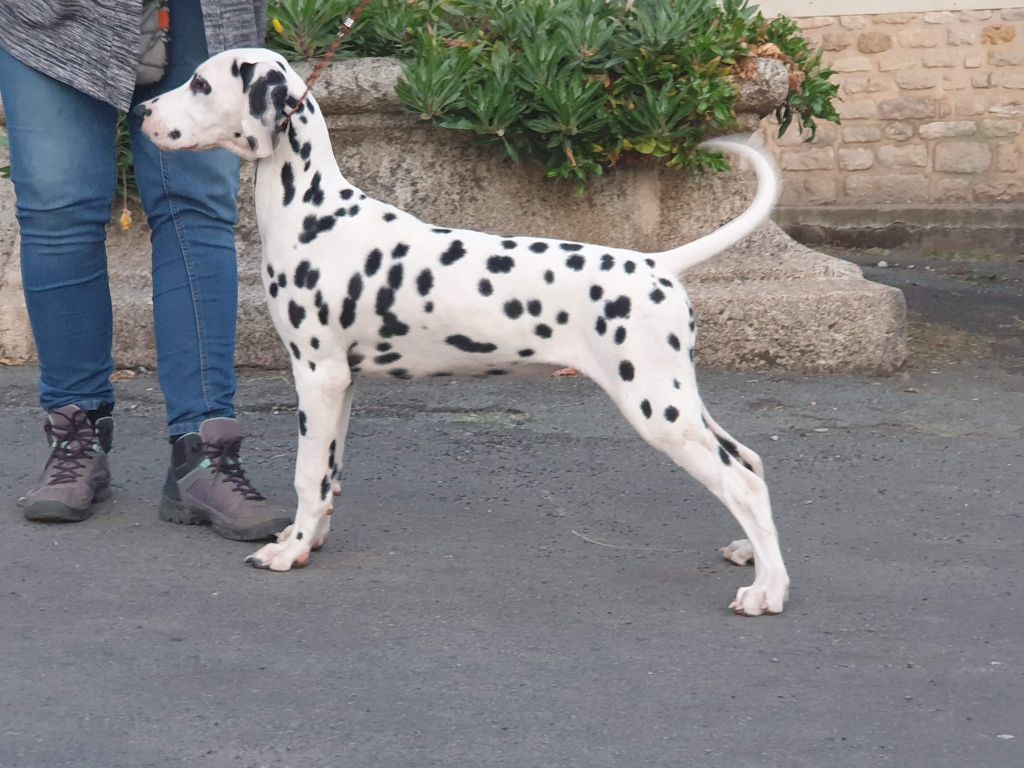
column 811, row 159
column 1008, row 155
column 907, row 107
column 898, row 131
column 962, row 157
column 903, row 156
column 998, row 34
column 921, row 38
column 874, row 42
column 888, row 189
column 950, row 129
column 916, row 80
column 856, row 159
column 1000, row 128
column 861, row 134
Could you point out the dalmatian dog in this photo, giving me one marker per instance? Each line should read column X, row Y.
column 357, row 287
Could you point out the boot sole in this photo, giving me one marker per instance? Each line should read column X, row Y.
column 173, row 511
column 55, row 512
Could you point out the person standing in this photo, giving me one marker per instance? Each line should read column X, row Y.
column 66, row 68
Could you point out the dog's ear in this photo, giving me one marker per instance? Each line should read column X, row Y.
column 267, row 90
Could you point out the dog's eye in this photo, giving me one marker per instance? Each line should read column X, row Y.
column 199, row 85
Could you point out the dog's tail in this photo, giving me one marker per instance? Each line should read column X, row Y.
column 680, row 259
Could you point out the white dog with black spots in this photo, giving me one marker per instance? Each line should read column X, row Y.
column 357, row 287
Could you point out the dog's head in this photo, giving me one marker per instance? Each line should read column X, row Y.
column 235, row 100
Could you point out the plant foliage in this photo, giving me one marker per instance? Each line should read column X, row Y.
column 578, row 85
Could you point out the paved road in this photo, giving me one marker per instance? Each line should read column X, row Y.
column 459, row 618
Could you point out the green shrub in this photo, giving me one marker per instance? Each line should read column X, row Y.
column 578, row 85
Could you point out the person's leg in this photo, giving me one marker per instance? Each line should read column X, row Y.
column 63, row 169
column 190, row 201
column 62, row 165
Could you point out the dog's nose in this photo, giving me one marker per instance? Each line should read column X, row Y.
column 141, row 111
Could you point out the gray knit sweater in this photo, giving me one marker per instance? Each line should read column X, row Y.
column 92, row 45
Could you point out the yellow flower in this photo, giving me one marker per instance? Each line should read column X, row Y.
column 126, row 219
column 278, row 26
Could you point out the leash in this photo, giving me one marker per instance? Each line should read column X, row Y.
column 318, row 70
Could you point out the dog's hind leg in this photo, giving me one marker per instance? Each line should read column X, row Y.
column 667, row 412
column 324, row 403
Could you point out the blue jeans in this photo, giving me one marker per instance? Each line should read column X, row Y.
column 63, row 169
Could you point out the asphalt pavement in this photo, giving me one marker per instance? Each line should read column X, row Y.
column 515, row 579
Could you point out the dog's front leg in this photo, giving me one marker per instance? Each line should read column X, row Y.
column 324, row 398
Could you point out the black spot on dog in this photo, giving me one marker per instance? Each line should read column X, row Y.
column 596, row 292
column 601, row 326
column 354, row 358
column 671, row 413
column 649, row 262
column 618, row 308
column 302, row 422
column 282, row 280
column 295, row 350
column 454, row 252
column 353, row 210
column 385, row 300
column 288, row 181
column 629, row 266
column 389, row 216
column 399, row 251
column 485, row 287
column 562, row 317
column 575, row 262
column 723, row 455
column 392, row 326
column 533, row 307
column 677, row 385
column 273, row 290
column 390, row 357
column 570, row 246
column 251, row 141
column 313, row 226
column 346, row 194
column 665, row 282
column 620, row 334
column 373, row 260
column 467, row 344
column 440, row 230
column 314, row 343
column 296, row 314
column 538, row 247
column 673, row 341
column 348, row 306
column 645, row 408
column 395, row 276
column 199, row 85
column 526, row 353
column 508, row 244
column 270, row 270
column 657, row 295
column 607, row 262
column 325, row 487
column 383, row 347
column 301, row 272
column 513, row 308
column 496, row 372
column 626, row 370
column 314, row 194
column 500, row 264
column 304, row 150
column 234, row 68
column 312, row 365
column 428, row 307
column 424, row 282
column 691, row 354
column 549, row 277
column 400, row 373
column 542, row 330
column 175, row 134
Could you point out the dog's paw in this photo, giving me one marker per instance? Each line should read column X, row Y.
column 739, row 552
column 281, row 556
column 756, row 600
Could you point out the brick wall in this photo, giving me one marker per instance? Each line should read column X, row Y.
column 932, row 108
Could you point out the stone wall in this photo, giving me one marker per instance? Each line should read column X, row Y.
column 932, row 111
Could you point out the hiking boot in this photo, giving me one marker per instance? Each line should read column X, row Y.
column 77, row 473
column 206, row 485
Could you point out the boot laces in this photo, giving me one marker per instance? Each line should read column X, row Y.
column 72, row 447
column 223, row 456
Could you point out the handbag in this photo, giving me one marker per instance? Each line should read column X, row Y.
column 155, row 38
